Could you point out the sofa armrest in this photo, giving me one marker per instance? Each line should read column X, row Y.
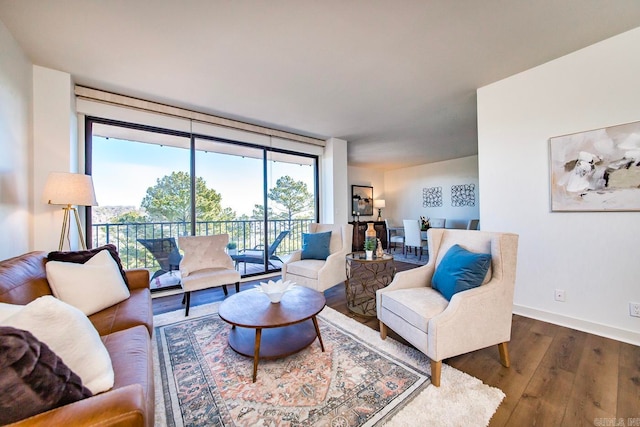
column 124, row 406
column 138, row 278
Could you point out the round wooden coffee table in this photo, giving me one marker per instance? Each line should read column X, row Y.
column 281, row 329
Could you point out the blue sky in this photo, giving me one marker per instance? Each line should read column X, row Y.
column 123, row 170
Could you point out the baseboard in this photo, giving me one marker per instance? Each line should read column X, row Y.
column 579, row 324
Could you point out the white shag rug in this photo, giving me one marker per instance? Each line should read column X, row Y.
column 461, row 400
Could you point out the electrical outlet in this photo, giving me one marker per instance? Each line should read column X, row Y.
column 634, row 309
column 559, row 295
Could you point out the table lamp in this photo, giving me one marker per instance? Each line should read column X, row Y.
column 379, row 204
column 67, row 189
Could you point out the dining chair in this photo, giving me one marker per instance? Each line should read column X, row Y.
column 473, row 224
column 395, row 235
column 413, row 236
column 437, row 222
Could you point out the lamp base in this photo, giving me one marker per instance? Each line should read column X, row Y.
column 379, row 214
column 66, row 227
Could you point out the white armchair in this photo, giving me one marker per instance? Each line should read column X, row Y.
column 473, row 319
column 321, row 274
column 206, row 265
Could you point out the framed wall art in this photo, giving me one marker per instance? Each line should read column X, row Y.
column 361, row 200
column 597, row 170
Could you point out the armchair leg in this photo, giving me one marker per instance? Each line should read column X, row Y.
column 187, row 297
column 224, row 289
column 237, row 287
column 383, row 330
column 436, row 370
column 504, row 354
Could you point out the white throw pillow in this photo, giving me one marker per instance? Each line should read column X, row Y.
column 70, row 334
column 7, row 310
column 92, row 286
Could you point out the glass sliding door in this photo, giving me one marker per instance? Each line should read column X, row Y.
column 291, row 199
column 142, row 183
column 154, row 185
column 230, row 199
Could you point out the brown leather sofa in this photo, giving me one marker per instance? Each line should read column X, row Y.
column 125, row 329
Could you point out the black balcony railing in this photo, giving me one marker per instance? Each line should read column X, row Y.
column 247, row 234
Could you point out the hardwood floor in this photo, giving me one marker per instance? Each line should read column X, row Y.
column 558, row 376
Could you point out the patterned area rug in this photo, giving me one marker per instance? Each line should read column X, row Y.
column 202, row 382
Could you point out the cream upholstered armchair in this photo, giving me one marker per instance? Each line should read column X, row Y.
column 472, row 319
column 206, row 265
column 321, row 274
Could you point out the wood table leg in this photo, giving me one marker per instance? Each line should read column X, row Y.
column 256, row 354
column 315, row 324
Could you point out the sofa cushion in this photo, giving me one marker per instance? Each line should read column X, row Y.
column 92, row 286
column 70, row 334
column 132, row 358
column 306, row 268
column 8, row 310
column 459, row 271
column 415, row 305
column 80, row 257
column 137, row 310
column 208, row 277
column 316, row 245
column 33, row 379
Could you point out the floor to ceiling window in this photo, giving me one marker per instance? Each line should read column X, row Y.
column 143, row 177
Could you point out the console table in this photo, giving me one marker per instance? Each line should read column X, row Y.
column 359, row 228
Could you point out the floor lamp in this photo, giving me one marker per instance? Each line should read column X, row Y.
column 69, row 190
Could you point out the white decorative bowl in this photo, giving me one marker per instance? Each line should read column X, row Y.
column 275, row 290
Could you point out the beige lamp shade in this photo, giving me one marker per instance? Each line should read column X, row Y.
column 64, row 188
column 379, row 204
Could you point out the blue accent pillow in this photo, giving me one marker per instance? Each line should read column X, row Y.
column 460, row 270
column 315, row 245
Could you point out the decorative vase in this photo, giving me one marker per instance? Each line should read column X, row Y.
column 370, row 233
column 369, row 254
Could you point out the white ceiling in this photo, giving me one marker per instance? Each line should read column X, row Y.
column 397, row 79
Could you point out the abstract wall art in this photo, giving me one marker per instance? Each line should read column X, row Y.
column 362, row 200
column 597, row 170
column 432, row 197
column 463, row 195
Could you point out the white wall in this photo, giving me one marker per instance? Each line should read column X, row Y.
column 56, row 149
column 593, row 256
column 15, row 143
column 333, row 175
column 368, row 178
column 403, row 189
